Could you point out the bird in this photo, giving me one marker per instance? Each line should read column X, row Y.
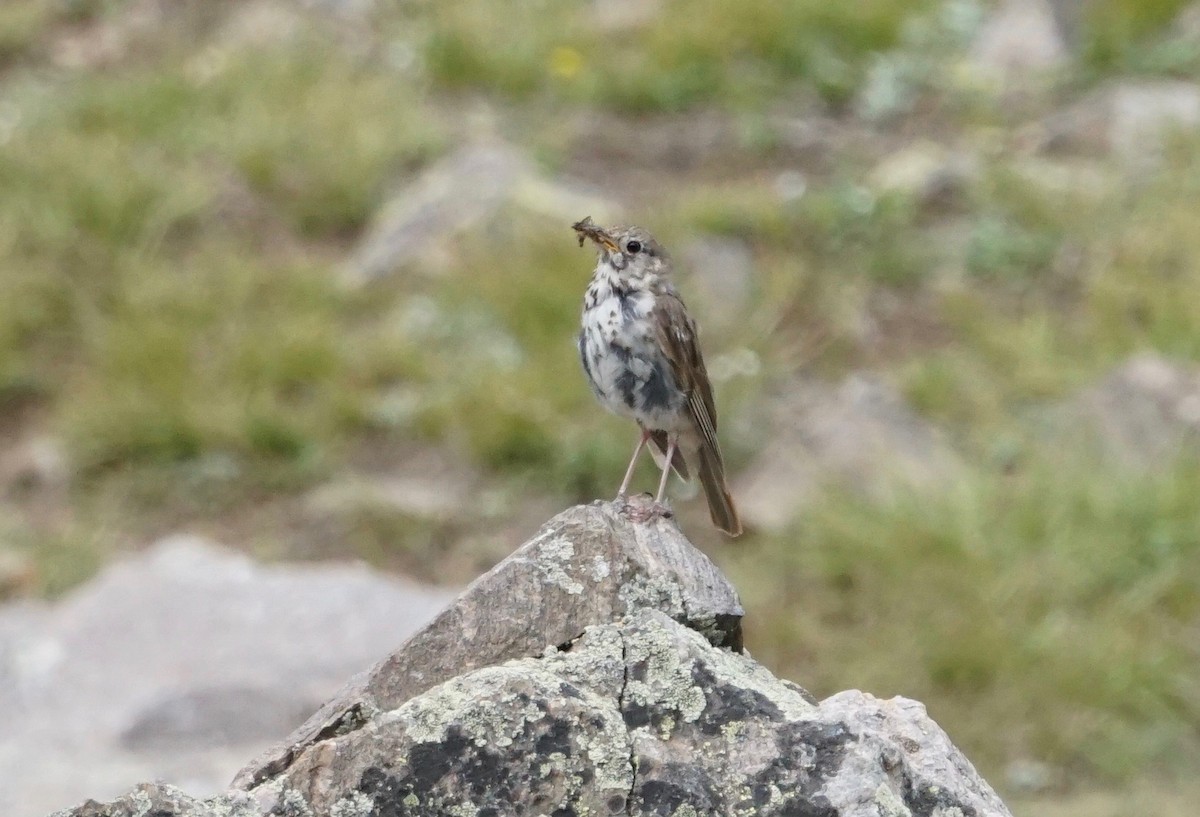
column 641, row 355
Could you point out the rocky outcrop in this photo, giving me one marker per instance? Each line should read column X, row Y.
column 590, row 565
column 643, row 716
column 597, row 671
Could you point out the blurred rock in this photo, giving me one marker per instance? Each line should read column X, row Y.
column 930, row 173
column 261, row 23
column 598, row 670
column 790, row 185
column 1020, row 39
column 1132, row 120
column 1031, row 776
column 349, row 8
column 22, row 650
column 615, row 16
column 111, row 37
column 1071, row 17
column 859, row 435
column 1069, row 177
column 720, row 274
column 36, row 463
column 1146, row 413
column 815, row 139
column 457, row 194
column 1081, row 128
column 179, row 663
column 1145, row 114
column 1187, row 24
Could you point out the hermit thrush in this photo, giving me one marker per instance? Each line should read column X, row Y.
column 640, row 353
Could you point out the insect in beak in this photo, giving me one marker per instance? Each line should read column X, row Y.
column 589, row 229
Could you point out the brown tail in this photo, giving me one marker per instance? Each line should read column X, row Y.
column 720, row 503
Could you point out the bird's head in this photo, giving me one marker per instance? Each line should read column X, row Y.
column 631, row 251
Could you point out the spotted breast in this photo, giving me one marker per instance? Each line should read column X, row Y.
column 625, row 366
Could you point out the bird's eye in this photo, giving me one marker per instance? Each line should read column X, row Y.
column 633, row 247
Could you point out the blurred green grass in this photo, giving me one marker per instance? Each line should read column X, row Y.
column 171, row 232
column 1062, row 582
column 692, row 53
column 1127, row 35
column 164, row 287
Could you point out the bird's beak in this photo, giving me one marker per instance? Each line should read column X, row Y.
column 589, row 229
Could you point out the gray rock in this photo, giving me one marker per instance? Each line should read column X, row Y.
column 859, row 435
column 1145, row 414
column 620, row 16
column 38, row 462
column 639, row 717
column 163, row 800
column 1078, row 129
column 349, row 8
column 111, row 38
column 1131, row 120
column 929, row 173
column 21, row 649
column 589, row 565
column 1071, row 16
column 1186, row 27
column 261, row 24
column 458, row 193
column 178, row 664
column 1146, row 114
column 642, row 716
column 1018, row 41
column 596, row 671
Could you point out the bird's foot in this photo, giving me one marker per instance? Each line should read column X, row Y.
column 644, row 508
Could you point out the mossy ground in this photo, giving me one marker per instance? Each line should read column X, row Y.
column 175, row 212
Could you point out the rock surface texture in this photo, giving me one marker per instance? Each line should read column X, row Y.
column 597, row 671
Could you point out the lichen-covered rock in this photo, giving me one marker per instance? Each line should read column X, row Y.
column 597, row 671
column 640, row 717
column 591, row 564
column 160, row 800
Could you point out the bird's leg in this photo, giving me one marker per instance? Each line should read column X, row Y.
column 633, row 463
column 662, row 483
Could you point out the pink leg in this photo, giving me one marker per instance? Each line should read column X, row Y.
column 632, row 463
column 662, row 483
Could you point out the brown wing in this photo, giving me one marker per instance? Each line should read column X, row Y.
column 677, row 336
